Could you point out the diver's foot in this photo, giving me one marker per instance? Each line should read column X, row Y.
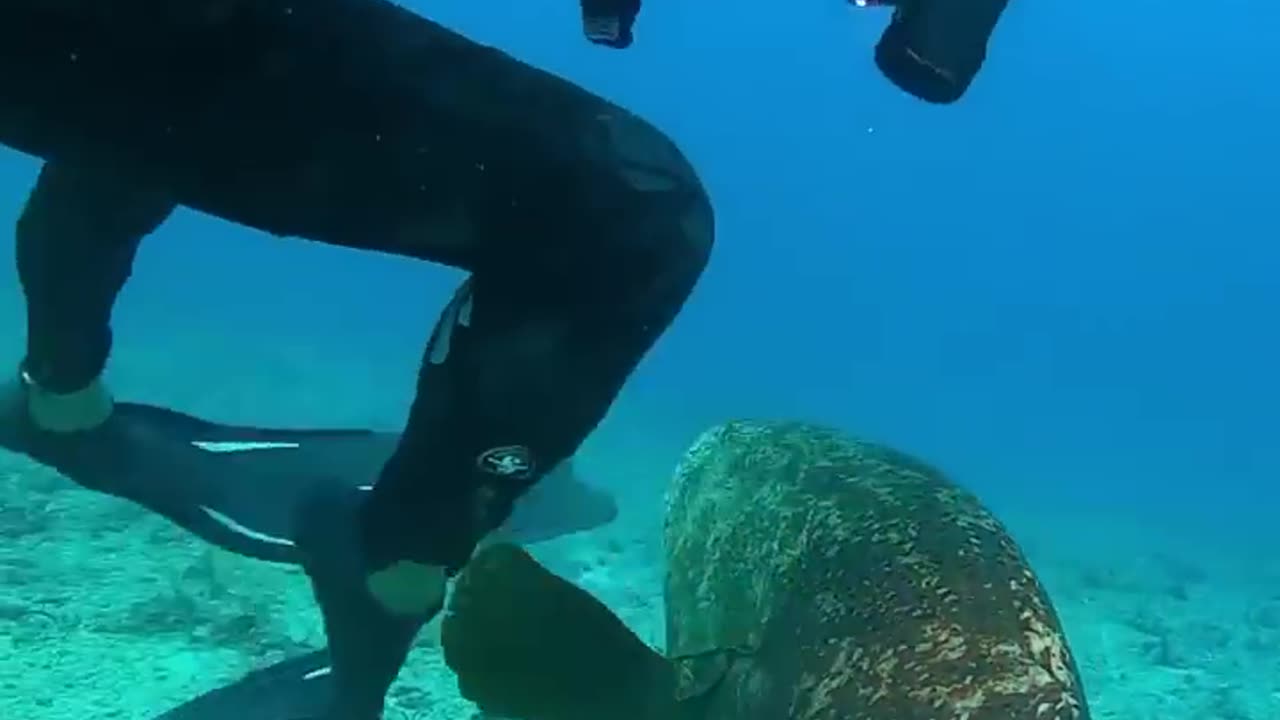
column 73, row 433
column 74, row 412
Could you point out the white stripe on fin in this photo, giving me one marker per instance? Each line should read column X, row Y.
column 318, row 672
column 228, row 447
column 237, row 528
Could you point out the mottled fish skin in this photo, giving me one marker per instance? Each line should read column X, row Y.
column 818, row 577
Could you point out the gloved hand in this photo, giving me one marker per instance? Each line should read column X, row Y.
column 609, row 22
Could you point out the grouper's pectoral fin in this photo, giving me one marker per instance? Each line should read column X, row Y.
column 528, row 644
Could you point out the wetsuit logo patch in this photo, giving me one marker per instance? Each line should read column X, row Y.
column 511, row 461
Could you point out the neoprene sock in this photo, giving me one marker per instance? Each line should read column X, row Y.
column 78, row 411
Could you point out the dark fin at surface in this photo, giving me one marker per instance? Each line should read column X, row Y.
column 295, row 689
column 527, row 644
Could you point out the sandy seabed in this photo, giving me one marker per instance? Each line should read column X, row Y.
column 107, row 612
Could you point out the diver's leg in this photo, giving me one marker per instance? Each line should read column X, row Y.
column 76, row 241
column 524, row 362
column 521, row 367
column 583, row 228
column 572, row 280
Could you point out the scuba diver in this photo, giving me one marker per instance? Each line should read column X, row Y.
column 354, row 123
column 357, row 123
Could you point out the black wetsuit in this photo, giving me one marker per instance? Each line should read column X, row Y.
column 358, row 123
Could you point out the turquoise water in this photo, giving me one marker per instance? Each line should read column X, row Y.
column 1062, row 290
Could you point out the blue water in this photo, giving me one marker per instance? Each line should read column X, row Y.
column 1063, row 289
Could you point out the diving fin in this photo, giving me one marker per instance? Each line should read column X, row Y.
column 236, row 487
column 527, row 644
column 298, row 688
column 239, row 487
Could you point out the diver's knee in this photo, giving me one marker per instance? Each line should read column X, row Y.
column 654, row 263
column 650, row 217
column 675, row 224
column 689, row 248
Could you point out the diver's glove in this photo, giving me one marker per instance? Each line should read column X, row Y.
column 933, row 49
column 609, row 22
